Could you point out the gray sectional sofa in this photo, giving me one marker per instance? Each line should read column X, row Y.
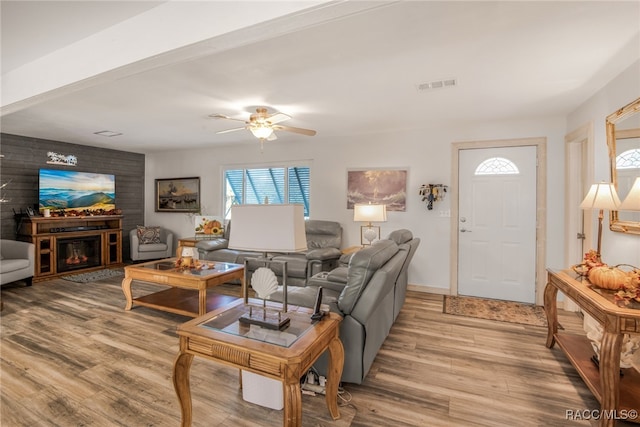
column 368, row 292
column 324, row 239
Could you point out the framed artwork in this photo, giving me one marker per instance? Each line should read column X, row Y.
column 178, row 195
column 208, row 226
column 378, row 186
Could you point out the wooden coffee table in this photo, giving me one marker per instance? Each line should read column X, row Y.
column 180, row 298
column 285, row 356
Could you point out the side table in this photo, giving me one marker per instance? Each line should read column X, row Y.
column 281, row 355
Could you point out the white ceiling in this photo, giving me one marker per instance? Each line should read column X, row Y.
column 349, row 72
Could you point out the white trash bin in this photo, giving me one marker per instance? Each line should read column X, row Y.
column 262, row 391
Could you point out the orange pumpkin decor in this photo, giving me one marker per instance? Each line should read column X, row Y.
column 608, row 277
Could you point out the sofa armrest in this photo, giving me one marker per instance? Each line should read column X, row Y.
column 212, row 245
column 169, row 243
column 323, row 254
column 134, row 242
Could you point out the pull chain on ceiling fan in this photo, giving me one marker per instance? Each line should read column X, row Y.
column 263, row 125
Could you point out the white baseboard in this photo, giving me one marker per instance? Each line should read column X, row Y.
column 428, row 289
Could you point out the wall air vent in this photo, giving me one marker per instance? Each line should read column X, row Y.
column 108, row 133
column 436, row 84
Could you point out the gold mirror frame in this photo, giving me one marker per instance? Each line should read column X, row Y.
column 615, row 223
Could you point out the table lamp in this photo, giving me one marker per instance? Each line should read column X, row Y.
column 267, row 228
column 369, row 213
column 601, row 196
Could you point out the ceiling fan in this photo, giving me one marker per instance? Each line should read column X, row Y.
column 263, row 125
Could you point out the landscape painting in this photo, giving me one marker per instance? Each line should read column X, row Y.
column 63, row 190
column 378, row 186
column 178, row 195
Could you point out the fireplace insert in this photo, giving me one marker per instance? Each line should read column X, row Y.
column 78, row 252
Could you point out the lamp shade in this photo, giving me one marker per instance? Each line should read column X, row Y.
column 268, row 228
column 601, row 196
column 632, row 201
column 369, row 213
column 261, row 131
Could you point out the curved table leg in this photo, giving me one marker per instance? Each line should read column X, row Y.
column 292, row 404
column 551, row 310
column 126, row 289
column 610, row 347
column 181, row 384
column 336, row 364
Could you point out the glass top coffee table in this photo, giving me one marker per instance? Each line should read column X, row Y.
column 284, row 355
column 180, row 298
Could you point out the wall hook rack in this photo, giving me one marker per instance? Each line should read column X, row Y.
column 432, row 193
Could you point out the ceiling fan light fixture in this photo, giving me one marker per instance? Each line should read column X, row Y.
column 261, row 131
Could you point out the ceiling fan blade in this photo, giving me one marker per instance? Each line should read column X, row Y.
column 301, row 131
column 222, row 116
column 231, row 130
column 277, row 118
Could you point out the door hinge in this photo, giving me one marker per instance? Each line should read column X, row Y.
column 580, row 236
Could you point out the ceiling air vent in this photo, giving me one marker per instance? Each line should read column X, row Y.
column 108, row 133
column 436, row 84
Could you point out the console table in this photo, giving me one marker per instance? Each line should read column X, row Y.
column 46, row 232
column 618, row 395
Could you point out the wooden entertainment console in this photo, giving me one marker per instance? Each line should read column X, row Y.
column 99, row 236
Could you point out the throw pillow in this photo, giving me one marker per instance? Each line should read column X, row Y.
column 148, row 235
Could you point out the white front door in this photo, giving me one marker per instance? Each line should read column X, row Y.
column 497, row 223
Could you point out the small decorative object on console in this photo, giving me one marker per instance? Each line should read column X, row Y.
column 601, row 275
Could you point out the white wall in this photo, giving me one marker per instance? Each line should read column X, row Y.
column 617, row 248
column 426, row 154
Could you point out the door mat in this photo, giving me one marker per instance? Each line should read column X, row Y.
column 94, row 276
column 491, row 309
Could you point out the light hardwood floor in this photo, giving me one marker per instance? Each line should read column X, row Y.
column 71, row 356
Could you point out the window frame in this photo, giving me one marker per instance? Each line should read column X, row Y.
column 262, row 165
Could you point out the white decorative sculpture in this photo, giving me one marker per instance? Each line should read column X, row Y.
column 264, row 282
column 629, row 345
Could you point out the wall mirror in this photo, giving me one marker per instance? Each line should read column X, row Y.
column 623, row 140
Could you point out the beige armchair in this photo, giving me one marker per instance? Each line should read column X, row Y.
column 144, row 248
column 17, row 261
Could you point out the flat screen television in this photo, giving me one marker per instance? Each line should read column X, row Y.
column 64, row 190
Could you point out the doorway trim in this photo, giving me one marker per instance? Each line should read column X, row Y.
column 541, row 204
column 578, row 176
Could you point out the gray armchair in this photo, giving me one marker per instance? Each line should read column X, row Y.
column 161, row 248
column 17, row 261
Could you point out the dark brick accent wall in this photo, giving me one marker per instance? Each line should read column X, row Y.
column 24, row 156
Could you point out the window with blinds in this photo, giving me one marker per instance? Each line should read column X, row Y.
column 277, row 185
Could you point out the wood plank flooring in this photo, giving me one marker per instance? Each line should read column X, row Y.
column 71, row 356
